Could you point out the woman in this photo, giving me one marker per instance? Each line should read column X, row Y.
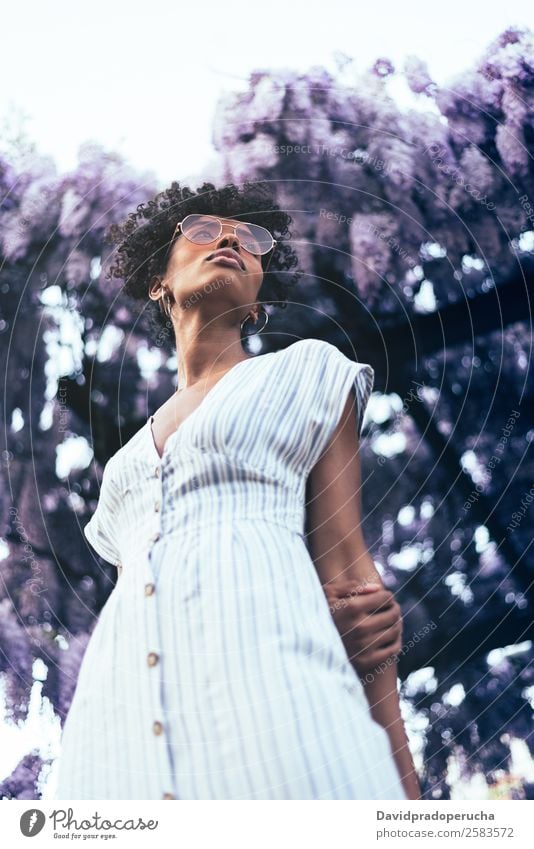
column 216, row 670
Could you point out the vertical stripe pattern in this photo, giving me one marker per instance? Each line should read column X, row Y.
column 215, row 670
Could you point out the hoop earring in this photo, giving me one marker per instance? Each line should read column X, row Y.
column 247, row 317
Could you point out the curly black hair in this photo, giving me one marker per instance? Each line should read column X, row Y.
column 144, row 241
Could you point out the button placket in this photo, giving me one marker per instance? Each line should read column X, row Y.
column 153, row 656
column 155, row 672
column 156, row 534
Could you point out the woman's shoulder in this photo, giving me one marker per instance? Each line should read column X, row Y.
column 324, row 354
column 310, row 347
column 312, row 344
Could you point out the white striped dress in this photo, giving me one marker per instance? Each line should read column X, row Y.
column 215, row 670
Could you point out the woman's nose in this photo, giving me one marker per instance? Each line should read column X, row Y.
column 228, row 240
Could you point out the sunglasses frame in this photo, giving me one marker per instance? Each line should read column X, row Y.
column 219, row 221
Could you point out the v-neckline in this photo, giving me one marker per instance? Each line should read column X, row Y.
column 227, row 374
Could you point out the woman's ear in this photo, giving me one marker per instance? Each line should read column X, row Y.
column 154, row 287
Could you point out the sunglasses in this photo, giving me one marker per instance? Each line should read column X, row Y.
column 205, row 229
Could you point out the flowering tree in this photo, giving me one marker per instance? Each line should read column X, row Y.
column 414, row 228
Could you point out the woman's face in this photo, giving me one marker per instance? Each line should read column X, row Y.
column 223, row 269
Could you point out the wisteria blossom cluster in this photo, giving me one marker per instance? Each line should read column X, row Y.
column 448, row 172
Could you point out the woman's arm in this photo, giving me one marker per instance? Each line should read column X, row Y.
column 365, row 613
column 362, row 615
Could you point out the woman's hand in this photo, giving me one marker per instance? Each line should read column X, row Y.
column 369, row 620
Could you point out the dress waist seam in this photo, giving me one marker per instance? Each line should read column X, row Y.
column 190, row 523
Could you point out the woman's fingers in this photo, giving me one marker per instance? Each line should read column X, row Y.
column 368, row 588
column 367, row 602
column 379, row 621
column 375, row 655
column 369, row 621
column 373, row 602
column 381, row 637
column 387, row 637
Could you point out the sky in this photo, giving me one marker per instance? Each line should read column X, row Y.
column 144, row 78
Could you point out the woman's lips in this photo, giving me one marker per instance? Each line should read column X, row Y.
column 227, row 260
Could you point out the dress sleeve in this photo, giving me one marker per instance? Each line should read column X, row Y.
column 100, row 530
column 333, row 376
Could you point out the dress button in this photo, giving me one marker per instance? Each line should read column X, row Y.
column 150, row 589
column 152, row 658
column 169, row 796
column 157, row 506
column 157, row 728
column 155, row 537
column 157, row 471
